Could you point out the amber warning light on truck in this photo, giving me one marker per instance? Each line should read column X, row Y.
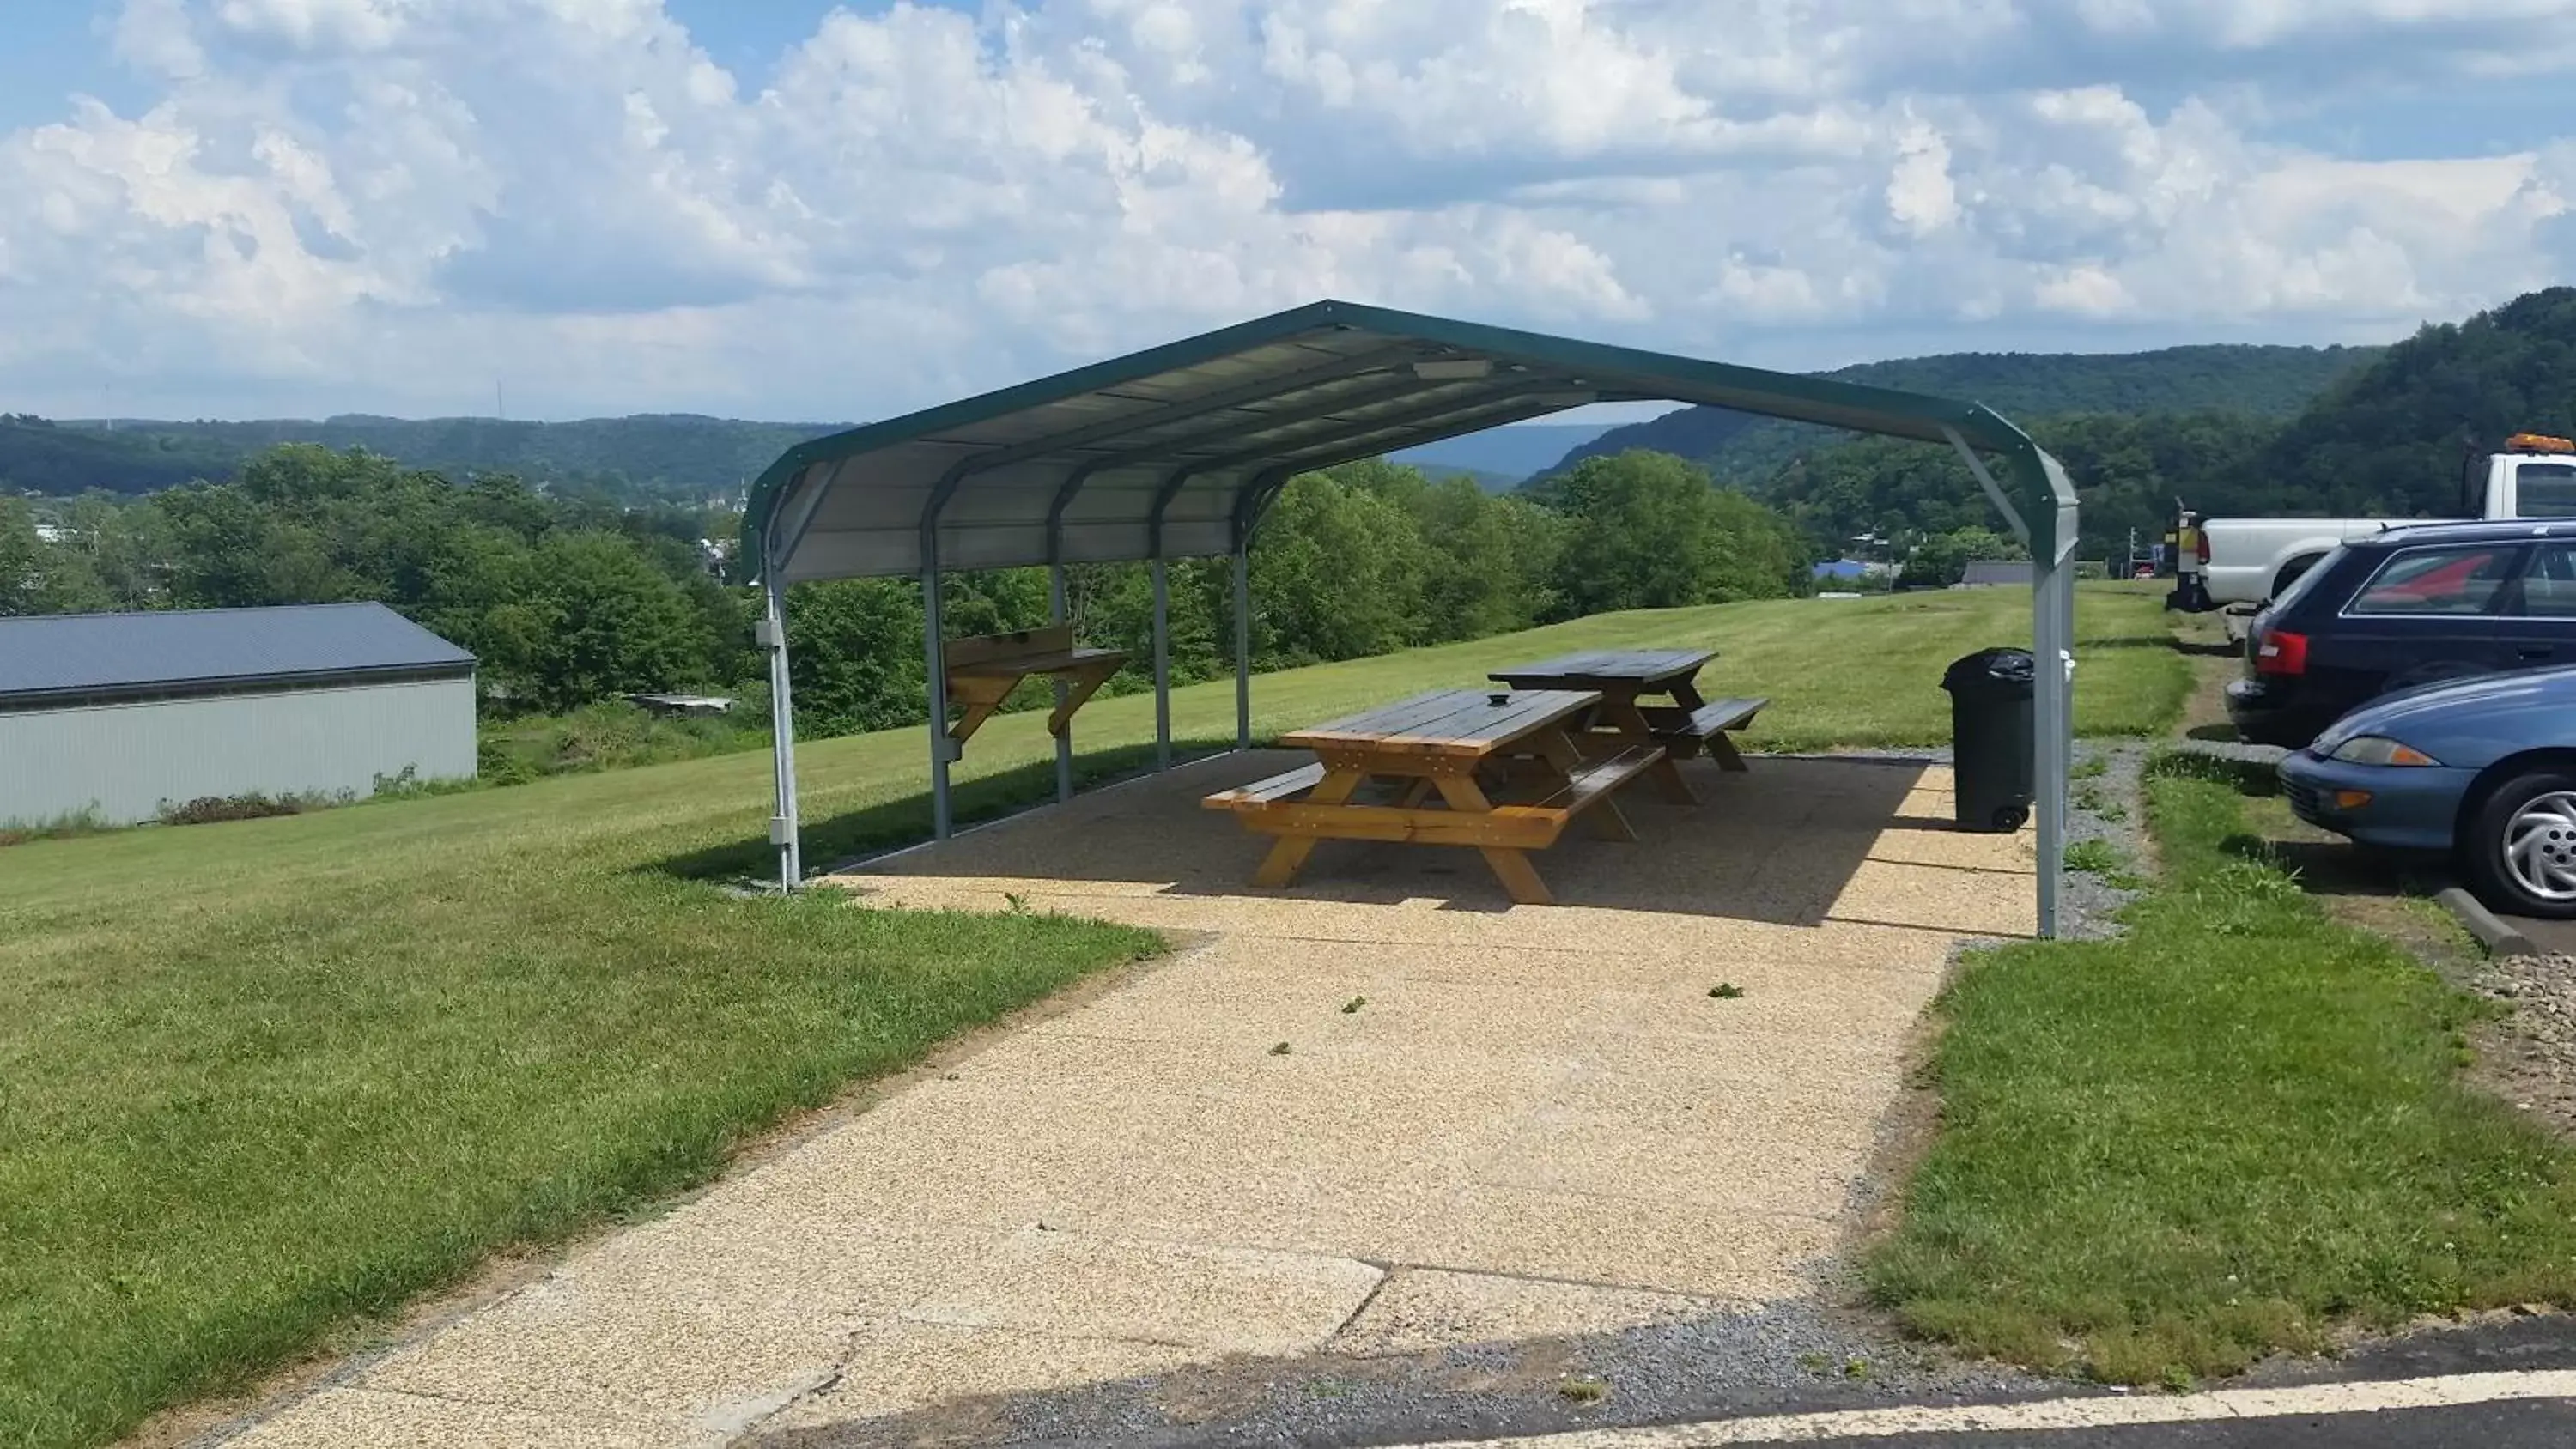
column 2539, row 443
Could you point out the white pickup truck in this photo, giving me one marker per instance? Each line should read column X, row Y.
column 2248, row 561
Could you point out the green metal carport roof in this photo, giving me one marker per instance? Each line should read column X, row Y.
column 1175, row 452
column 1184, row 443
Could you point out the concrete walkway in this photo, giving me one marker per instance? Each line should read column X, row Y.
column 1381, row 1113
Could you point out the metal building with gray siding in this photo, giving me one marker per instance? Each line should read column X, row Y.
column 118, row 713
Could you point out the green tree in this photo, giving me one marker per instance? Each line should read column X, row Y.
column 1942, row 559
column 1337, row 573
column 615, row 624
column 855, row 655
column 1638, row 533
column 1646, row 531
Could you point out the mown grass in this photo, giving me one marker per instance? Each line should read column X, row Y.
column 612, row 735
column 2237, row 1130
column 1841, row 673
column 261, row 1080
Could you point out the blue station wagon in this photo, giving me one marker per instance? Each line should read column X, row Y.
column 2407, row 607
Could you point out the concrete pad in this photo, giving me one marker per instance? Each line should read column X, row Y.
column 783, row 1252
column 1235, row 992
column 1939, row 898
column 1752, row 1154
column 1225, row 1300
column 1625, row 1242
column 1420, row 1310
column 1000, row 1152
column 2015, row 854
column 1537, row 1121
column 339, row 1418
column 906, row 1367
column 1343, row 1153
column 695, row 1370
column 1812, row 1005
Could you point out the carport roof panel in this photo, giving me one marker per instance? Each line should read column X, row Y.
column 1220, row 420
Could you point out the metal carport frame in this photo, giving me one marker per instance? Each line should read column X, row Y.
column 1177, row 451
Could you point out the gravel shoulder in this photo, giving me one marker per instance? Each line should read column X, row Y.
column 2528, row 1055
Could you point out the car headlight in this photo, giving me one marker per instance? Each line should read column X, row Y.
column 2379, row 750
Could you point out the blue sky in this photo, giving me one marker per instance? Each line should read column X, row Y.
column 778, row 208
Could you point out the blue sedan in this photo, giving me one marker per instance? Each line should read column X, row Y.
column 2483, row 769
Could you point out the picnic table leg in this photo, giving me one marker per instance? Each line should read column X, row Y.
column 1558, row 749
column 1288, row 856
column 1620, row 711
column 1519, row 877
column 1722, row 750
column 1511, row 867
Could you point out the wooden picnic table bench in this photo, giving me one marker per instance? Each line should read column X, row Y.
column 1686, row 727
column 1438, row 744
column 984, row 669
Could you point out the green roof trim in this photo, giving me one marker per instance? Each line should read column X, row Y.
column 1623, row 372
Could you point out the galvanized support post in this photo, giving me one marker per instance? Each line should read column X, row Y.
column 2049, row 716
column 782, row 735
column 935, row 661
column 1057, row 613
column 2053, row 640
column 1242, row 642
column 1163, row 497
column 1162, row 661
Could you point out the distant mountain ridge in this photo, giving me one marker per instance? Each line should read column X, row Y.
column 2258, row 381
column 687, row 457
column 676, row 456
column 1502, row 457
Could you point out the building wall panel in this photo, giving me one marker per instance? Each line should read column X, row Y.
column 124, row 760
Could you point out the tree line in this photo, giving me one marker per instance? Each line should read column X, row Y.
column 2384, row 440
column 566, row 600
column 2255, row 382
column 677, row 458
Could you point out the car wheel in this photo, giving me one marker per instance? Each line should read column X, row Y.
column 2520, row 853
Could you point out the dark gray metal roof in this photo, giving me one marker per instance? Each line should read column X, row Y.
column 1176, row 450
column 1994, row 572
column 75, row 656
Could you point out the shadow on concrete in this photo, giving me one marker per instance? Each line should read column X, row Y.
column 1780, row 844
column 834, row 840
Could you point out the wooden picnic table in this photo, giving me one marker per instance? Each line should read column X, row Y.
column 1439, row 744
column 1625, row 678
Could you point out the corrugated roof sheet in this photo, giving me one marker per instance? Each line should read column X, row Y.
column 90, row 654
column 1176, row 450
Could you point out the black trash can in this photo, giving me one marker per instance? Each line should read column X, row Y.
column 1990, row 737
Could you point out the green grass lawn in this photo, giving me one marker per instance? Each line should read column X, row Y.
column 262, row 1080
column 1840, row 672
column 2235, row 1130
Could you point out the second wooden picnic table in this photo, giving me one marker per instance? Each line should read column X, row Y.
column 1625, row 678
column 1440, row 743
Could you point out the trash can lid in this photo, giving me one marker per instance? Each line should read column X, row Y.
column 1992, row 671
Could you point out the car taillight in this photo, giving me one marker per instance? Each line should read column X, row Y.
column 2201, row 545
column 2281, row 652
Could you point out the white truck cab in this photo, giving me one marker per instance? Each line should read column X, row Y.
column 2248, row 561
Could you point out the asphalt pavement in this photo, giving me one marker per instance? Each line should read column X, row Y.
column 2525, row 1424
column 2554, row 938
column 2507, row 1383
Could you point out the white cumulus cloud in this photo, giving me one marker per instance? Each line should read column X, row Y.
column 395, row 204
